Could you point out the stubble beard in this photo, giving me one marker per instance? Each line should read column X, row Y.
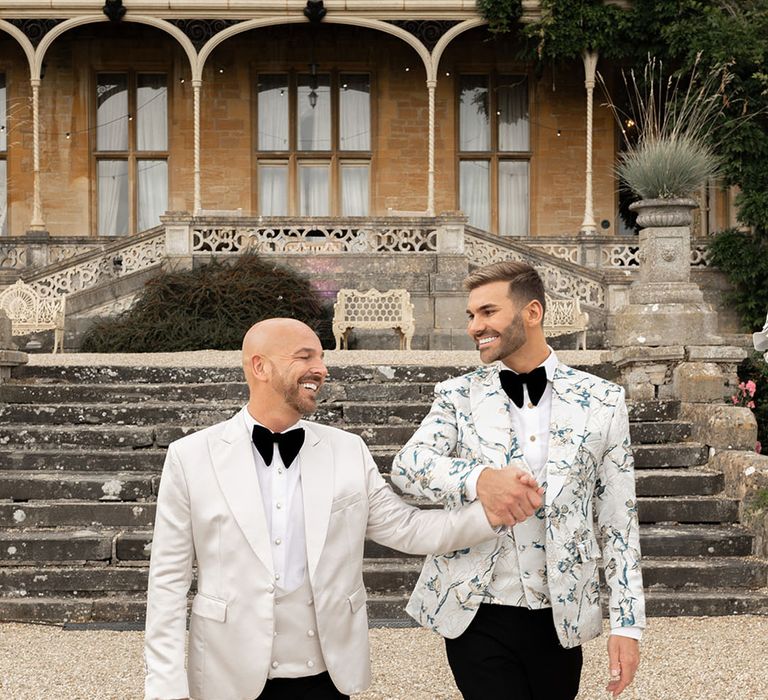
column 511, row 339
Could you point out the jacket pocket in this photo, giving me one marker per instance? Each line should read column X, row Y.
column 209, row 607
column 357, row 599
column 345, row 501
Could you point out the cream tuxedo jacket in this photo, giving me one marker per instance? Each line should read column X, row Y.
column 589, row 474
column 209, row 510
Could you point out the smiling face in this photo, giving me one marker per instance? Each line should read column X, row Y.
column 284, row 368
column 495, row 322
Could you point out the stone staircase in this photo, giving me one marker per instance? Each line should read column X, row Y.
column 81, row 450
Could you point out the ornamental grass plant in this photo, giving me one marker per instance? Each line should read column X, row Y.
column 669, row 125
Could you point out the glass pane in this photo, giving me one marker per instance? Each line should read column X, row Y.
column 152, row 181
column 513, row 113
column 355, row 112
column 152, row 112
column 113, row 197
column 112, row 112
column 273, row 112
column 474, row 125
column 513, row 198
column 313, row 125
column 3, row 198
column 474, row 192
column 354, row 189
column 3, row 109
column 313, row 190
column 273, row 190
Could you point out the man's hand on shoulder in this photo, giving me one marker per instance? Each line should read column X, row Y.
column 623, row 660
column 509, row 496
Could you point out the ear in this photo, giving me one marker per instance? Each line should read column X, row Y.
column 533, row 313
column 259, row 367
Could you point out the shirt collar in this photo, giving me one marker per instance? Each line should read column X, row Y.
column 549, row 365
column 249, row 421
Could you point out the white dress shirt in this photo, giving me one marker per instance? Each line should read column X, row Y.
column 284, row 511
column 531, row 425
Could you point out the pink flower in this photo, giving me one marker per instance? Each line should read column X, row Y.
column 735, row 400
column 751, row 404
column 742, row 386
column 751, row 387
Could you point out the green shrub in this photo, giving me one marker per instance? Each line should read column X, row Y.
column 209, row 308
column 743, row 258
column 755, row 368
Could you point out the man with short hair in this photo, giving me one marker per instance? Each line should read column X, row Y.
column 275, row 511
column 515, row 610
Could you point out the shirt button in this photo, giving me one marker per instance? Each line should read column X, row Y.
column 279, row 471
column 278, row 541
column 310, row 663
column 533, row 439
column 277, row 577
column 310, row 633
column 275, row 664
column 310, row 602
column 278, row 505
column 270, row 588
column 530, row 405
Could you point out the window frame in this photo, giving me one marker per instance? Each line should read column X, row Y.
column 132, row 155
column 293, row 158
column 493, row 155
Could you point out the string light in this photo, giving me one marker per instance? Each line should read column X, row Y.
column 68, row 136
column 559, row 132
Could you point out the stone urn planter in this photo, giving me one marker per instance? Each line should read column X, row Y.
column 664, row 212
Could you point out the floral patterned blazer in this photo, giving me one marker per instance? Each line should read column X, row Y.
column 589, row 475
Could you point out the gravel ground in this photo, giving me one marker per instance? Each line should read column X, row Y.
column 682, row 659
column 334, row 358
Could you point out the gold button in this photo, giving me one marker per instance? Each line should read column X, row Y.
column 530, row 405
column 533, row 438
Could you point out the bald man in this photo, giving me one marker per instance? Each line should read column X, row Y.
column 275, row 510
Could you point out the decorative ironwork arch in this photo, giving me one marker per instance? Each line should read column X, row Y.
column 199, row 31
column 35, row 29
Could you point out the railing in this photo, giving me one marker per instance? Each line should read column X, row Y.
column 324, row 236
column 121, row 257
column 561, row 277
column 18, row 254
column 605, row 252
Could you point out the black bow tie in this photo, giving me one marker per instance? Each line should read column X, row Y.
column 512, row 383
column 288, row 443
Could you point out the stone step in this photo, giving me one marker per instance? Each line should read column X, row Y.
column 82, row 460
column 21, row 486
column 654, row 433
column 681, row 454
column 382, row 608
column 59, row 514
column 380, row 575
column 678, row 482
column 55, row 546
column 111, row 486
column 688, row 509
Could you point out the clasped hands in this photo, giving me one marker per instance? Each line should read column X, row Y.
column 509, row 496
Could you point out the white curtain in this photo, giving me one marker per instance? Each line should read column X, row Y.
column 354, row 189
column 474, row 192
column 474, row 127
column 513, row 198
column 112, row 112
column 314, row 123
column 152, row 180
column 273, row 113
column 313, row 190
column 513, row 113
column 152, row 113
column 273, row 190
column 113, row 197
column 355, row 117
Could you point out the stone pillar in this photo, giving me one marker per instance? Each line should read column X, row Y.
column 37, row 249
column 178, row 240
column 665, row 307
column 10, row 356
column 588, row 225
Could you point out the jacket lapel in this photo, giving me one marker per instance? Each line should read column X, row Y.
column 232, row 458
column 570, row 406
column 491, row 407
column 317, row 490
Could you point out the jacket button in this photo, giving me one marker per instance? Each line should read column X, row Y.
column 270, row 588
column 310, row 633
column 275, row 664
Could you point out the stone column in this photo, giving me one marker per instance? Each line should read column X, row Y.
column 588, row 225
column 431, row 86
column 37, row 223
column 196, row 85
column 178, row 240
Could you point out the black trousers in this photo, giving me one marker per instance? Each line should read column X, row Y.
column 317, row 687
column 513, row 653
